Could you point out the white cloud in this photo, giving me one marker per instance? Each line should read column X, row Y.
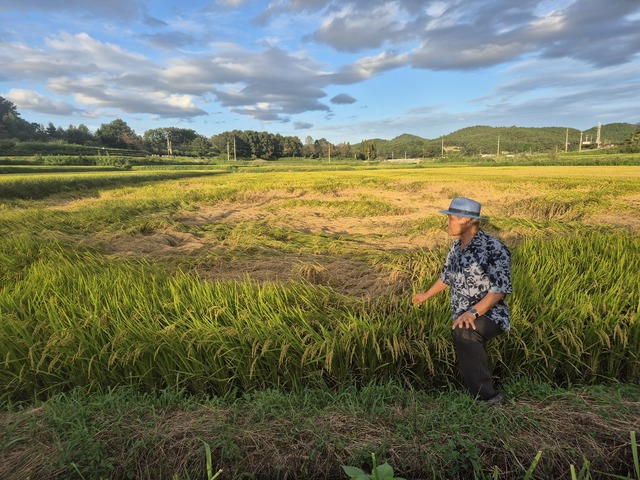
column 302, row 125
column 105, row 56
column 343, row 99
column 353, row 30
column 32, row 100
column 368, row 67
column 274, row 78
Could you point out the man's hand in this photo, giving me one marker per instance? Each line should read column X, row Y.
column 419, row 298
column 466, row 320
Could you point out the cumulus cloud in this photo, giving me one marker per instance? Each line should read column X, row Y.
column 82, row 47
column 280, row 7
column 367, row 67
column 32, row 100
column 271, row 81
column 281, row 82
column 467, row 34
column 343, row 99
column 302, row 125
column 96, row 92
column 269, row 84
column 350, row 29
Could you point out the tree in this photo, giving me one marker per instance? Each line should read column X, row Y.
column 6, row 106
column 118, row 134
column 291, row 147
column 166, row 139
column 308, row 150
column 11, row 125
column 52, row 131
column 321, row 148
column 343, row 150
column 201, row 146
column 79, row 135
column 368, row 150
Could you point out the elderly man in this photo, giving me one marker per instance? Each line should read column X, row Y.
column 478, row 272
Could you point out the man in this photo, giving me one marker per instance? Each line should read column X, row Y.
column 478, row 272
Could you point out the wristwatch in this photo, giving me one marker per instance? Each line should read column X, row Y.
column 474, row 312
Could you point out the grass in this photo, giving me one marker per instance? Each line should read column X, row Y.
column 311, row 432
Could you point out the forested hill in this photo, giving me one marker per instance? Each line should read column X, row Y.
column 484, row 139
column 615, row 133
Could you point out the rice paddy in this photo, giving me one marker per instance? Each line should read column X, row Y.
column 227, row 281
column 247, row 280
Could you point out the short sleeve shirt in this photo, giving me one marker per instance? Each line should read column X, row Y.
column 483, row 266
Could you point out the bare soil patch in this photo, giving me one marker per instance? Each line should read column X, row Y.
column 345, row 276
column 158, row 244
column 416, row 225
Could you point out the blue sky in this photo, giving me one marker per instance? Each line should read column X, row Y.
column 343, row 70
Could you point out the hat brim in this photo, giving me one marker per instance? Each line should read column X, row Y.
column 457, row 213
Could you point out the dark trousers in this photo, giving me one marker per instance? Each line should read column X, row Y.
column 472, row 356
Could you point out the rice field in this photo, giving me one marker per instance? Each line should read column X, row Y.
column 237, row 279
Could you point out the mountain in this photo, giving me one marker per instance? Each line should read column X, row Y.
column 615, row 133
column 483, row 139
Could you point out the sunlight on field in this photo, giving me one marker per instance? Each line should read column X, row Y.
column 246, row 279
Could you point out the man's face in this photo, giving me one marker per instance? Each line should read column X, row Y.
column 456, row 226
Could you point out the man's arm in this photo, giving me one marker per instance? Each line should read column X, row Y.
column 436, row 288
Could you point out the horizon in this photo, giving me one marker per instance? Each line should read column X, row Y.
column 344, row 71
column 385, row 139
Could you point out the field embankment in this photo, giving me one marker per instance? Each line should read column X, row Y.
column 310, row 433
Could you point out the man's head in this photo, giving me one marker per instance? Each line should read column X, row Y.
column 463, row 215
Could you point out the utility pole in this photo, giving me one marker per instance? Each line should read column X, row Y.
column 442, row 147
column 498, row 154
column 598, row 140
column 227, row 151
column 329, row 152
column 566, row 142
column 580, row 146
column 235, row 157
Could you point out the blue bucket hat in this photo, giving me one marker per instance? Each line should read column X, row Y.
column 464, row 207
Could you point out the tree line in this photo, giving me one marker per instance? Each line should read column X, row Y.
column 249, row 144
column 236, row 144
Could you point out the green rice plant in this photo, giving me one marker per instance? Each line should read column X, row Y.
column 72, row 317
column 43, row 185
column 76, row 316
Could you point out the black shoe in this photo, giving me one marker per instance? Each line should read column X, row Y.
column 495, row 400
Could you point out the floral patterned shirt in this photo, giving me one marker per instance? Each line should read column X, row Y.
column 484, row 266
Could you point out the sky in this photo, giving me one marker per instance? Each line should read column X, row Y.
column 344, row 70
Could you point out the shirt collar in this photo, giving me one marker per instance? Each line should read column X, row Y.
column 478, row 237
